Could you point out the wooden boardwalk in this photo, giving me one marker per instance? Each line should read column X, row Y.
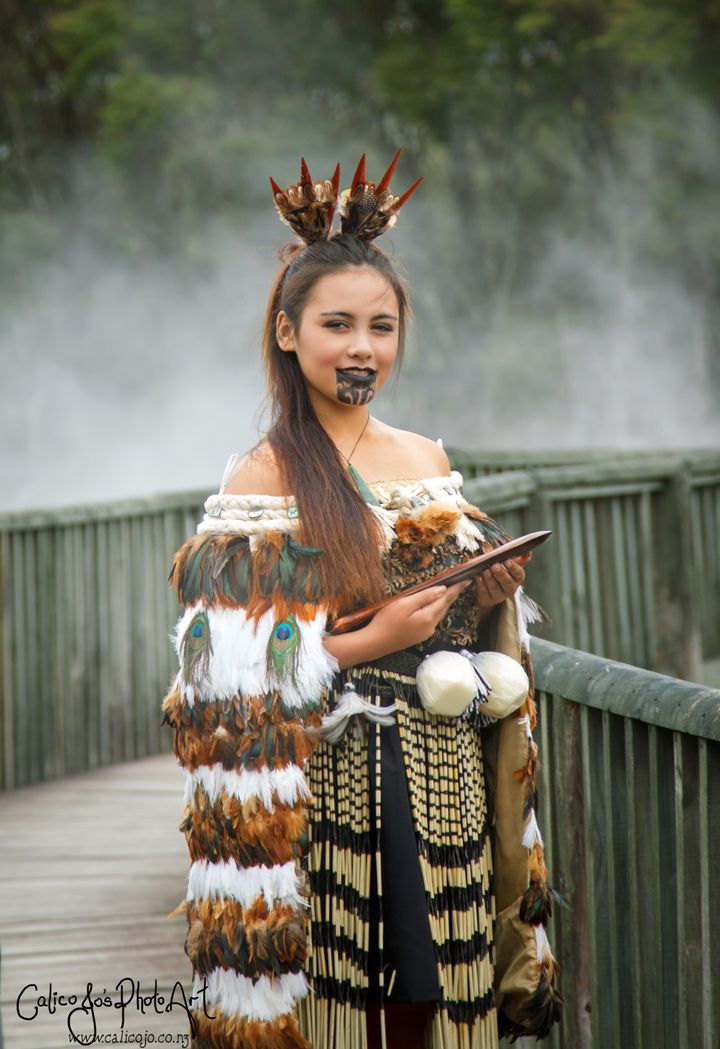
column 90, row 867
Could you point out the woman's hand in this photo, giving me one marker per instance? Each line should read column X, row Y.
column 402, row 623
column 414, row 617
column 501, row 581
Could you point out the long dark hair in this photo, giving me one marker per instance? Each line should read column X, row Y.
column 332, row 514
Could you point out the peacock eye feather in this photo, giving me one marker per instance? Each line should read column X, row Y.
column 283, row 650
column 283, row 632
column 196, row 649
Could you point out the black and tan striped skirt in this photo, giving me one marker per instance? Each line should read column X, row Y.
column 400, row 870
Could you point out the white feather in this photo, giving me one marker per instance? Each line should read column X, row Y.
column 542, row 944
column 532, row 835
column 287, row 784
column 466, row 534
column 337, row 722
column 225, row 879
column 186, row 691
column 237, row 663
column 528, row 611
column 522, row 622
column 525, row 720
column 233, row 459
column 387, row 520
column 255, row 540
column 264, row 999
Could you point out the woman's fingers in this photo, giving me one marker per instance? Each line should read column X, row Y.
column 424, row 598
column 441, row 595
column 499, row 582
column 515, row 570
column 454, row 591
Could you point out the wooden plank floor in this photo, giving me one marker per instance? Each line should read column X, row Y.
column 90, row 867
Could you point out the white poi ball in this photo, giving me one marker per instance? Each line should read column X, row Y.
column 446, row 683
column 509, row 684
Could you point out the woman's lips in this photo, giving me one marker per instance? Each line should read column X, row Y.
column 356, row 376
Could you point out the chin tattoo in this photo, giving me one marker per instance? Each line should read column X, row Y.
column 355, row 391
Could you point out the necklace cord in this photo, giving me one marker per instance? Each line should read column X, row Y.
column 347, row 458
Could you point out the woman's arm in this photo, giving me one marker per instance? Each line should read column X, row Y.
column 357, row 646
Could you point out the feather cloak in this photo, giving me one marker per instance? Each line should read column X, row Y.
column 245, row 709
column 246, row 705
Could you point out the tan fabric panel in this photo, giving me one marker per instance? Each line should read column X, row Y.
column 506, row 748
column 516, row 967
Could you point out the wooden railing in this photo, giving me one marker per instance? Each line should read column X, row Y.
column 85, row 656
column 633, row 569
column 482, row 464
column 629, row 808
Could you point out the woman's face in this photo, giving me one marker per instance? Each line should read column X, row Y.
column 350, row 321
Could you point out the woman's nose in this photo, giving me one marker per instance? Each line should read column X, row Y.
column 361, row 344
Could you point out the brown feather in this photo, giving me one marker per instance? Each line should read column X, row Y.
column 224, row 1031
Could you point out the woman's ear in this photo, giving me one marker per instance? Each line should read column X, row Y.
column 284, row 332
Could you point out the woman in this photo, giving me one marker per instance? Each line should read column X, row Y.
column 411, row 839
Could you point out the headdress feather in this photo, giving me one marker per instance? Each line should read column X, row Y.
column 306, row 206
column 367, row 209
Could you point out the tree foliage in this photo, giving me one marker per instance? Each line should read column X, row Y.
column 519, row 109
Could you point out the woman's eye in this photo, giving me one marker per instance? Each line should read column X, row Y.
column 335, row 324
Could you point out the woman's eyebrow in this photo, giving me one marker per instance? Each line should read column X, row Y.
column 345, row 313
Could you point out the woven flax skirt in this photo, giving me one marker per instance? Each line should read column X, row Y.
column 400, row 871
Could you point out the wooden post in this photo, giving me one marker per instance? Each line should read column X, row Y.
column 677, row 634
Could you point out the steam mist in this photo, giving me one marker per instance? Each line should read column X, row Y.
column 124, row 379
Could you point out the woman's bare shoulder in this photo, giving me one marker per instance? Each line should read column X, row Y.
column 257, row 474
column 424, row 456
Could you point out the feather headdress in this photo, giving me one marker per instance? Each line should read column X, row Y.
column 367, row 208
column 306, row 206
